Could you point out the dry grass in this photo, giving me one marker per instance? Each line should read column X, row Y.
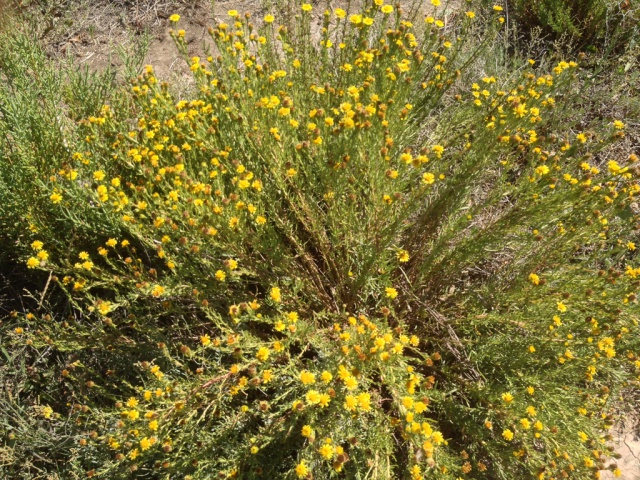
column 7, row 11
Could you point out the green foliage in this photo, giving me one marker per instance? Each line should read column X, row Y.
column 605, row 24
column 338, row 257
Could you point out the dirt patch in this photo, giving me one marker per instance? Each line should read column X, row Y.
column 105, row 35
column 98, row 33
column 627, row 444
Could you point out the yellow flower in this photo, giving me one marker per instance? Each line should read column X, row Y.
column 56, row 197
column 326, row 451
column 174, row 18
column 112, row 242
column 618, row 125
column 428, row 178
column 471, row 14
column 402, row 256
column 37, row 245
column 302, row 470
column 325, row 398
column 535, row 279
column 435, row 3
column 306, row 7
column 269, row 19
column 233, row 222
column 387, row 9
column 364, row 401
column 419, row 407
column 542, row 170
column 262, row 354
column 406, row 157
column 307, row 378
column 313, row 397
column 232, row 13
column 157, row 290
column 275, row 295
column 507, row 397
column 391, row 292
column 562, row 307
column 326, row 376
column 104, row 308
column 145, row 444
column 307, row 431
column 507, row 435
column 33, row 262
column 153, row 425
column 350, row 403
column 614, row 167
column 350, row 383
column 340, row 13
column 220, row 275
column 343, row 372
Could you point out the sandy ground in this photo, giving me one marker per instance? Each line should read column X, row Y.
column 93, row 32
column 627, row 445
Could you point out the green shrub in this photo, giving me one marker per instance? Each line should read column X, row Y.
column 605, row 24
column 335, row 259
